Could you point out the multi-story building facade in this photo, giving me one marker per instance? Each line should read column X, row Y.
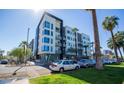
column 107, row 52
column 49, row 38
column 53, row 41
column 70, row 41
column 86, row 45
column 76, row 43
column 79, row 45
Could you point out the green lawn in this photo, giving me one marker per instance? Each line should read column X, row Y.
column 112, row 74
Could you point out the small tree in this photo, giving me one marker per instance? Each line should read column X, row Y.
column 20, row 54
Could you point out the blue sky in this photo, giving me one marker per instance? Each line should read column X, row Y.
column 14, row 24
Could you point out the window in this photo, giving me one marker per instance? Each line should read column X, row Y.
column 45, row 40
column 46, row 32
column 68, row 31
column 57, row 29
column 52, row 26
column 51, row 49
column 51, row 41
column 46, row 24
column 45, row 48
column 66, row 63
column 51, row 33
column 68, row 38
column 72, row 62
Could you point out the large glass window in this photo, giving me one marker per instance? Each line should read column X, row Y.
column 46, row 24
column 52, row 26
column 46, row 32
column 45, row 40
column 83, row 37
column 51, row 49
column 68, row 31
column 68, row 37
column 51, row 33
column 51, row 41
column 57, row 29
column 45, row 48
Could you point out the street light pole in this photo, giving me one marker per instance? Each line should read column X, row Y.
column 28, row 36
column 27, row 44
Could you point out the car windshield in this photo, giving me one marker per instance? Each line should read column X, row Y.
column 92, row 61
column 58, row 62
column 84, row 61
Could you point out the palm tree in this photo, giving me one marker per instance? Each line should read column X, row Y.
column 117, row 44
column 75, row 30
column 109, row 23
column 99, row 64
column 119, row 37
column 110, row 43
column 24, row 45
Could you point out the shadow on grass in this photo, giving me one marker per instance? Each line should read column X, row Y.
column 110, row 75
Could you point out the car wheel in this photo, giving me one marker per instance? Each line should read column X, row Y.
column 61, row 69
column 77, row 67
column 87, row 66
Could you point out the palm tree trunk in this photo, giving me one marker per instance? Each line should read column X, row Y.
column 99, row 64
column 114, row 46
column 120, row 53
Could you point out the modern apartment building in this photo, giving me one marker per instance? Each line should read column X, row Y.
column 49, row 38
column 86, row 45
column 70, row 41
column 76, row 41
column 107, row 52
column 54, row 41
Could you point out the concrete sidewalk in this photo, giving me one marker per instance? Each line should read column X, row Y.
column 22, row 75
column 21, row 81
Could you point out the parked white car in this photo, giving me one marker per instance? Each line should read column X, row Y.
column 30, row 63
column 108, row 61
column 83, row 62
column 62, row 65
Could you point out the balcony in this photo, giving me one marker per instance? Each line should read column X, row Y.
column 58, row 38
column 58, row 51
column 58, row 44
